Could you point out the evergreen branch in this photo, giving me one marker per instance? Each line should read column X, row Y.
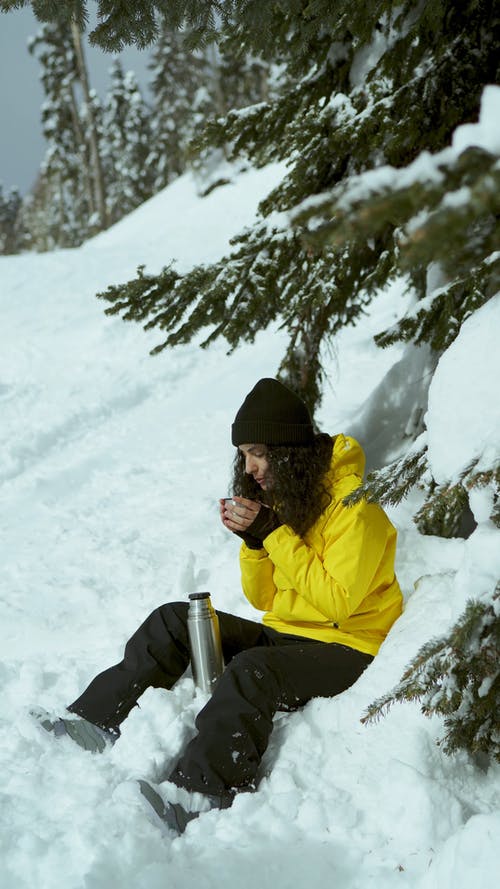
column 264, row 131
column 392, row 483
column 8, row 5
column 438, row 318
column 335, row 134
column 122, row 23
column 443, row 510
column 467, row 184
column 136, row 300
column 52, row 10
column 241, row 295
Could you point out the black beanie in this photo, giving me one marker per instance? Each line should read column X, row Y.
column 272, row 414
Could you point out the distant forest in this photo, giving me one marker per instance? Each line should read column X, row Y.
column 106, row 155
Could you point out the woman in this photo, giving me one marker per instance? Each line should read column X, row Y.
column 322, row 572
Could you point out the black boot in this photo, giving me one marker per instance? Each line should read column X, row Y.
column 173, row 815
column 84, row 733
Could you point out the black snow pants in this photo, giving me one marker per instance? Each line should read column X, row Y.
column 266, row 671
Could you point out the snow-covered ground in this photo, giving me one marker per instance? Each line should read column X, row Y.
column 111, row 465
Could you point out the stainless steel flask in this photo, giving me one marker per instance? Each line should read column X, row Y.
column 207, row 662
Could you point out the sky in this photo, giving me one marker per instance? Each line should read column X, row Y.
column 21, row 141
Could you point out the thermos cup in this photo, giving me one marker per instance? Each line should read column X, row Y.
column 207, row 662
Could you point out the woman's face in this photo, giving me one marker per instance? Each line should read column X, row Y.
column 256, row 463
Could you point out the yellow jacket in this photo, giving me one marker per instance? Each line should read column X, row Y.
column 336, row 584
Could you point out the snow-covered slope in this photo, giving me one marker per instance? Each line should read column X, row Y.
column 111, row 464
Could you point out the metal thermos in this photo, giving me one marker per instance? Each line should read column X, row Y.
column 207, row 662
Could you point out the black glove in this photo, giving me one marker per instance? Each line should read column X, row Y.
column 264, row 522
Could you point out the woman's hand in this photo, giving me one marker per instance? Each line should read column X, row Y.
column 238, row 513
column 248, row 519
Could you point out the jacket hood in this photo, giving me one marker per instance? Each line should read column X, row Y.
column 348, row 464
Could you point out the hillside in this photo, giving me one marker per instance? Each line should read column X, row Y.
column 111, row 466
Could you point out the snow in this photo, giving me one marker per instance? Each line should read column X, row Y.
column 112, row 463
column 145, row 236
column 486, row 133
column 463, row 417
column 366, row 58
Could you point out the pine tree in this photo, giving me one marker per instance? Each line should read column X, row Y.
column 244, row 78
column 192, row 87
column 447, row 210
column 10, row 236
column 176, row 78
column 362, row 89
column 68, row 188
column 95, row 169
column 232, row 79
column 125, row 145
column 33, row 216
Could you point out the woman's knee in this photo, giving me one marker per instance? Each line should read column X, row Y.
column 179, row 609
column 254, row 668
column 169, row 615
column 165, row 622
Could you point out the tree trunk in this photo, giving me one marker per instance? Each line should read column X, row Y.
column 213, row 60
column 301, row 365
column 95, row 158
column 81, row 141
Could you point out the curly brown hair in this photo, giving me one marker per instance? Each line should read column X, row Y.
column 297, row 493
